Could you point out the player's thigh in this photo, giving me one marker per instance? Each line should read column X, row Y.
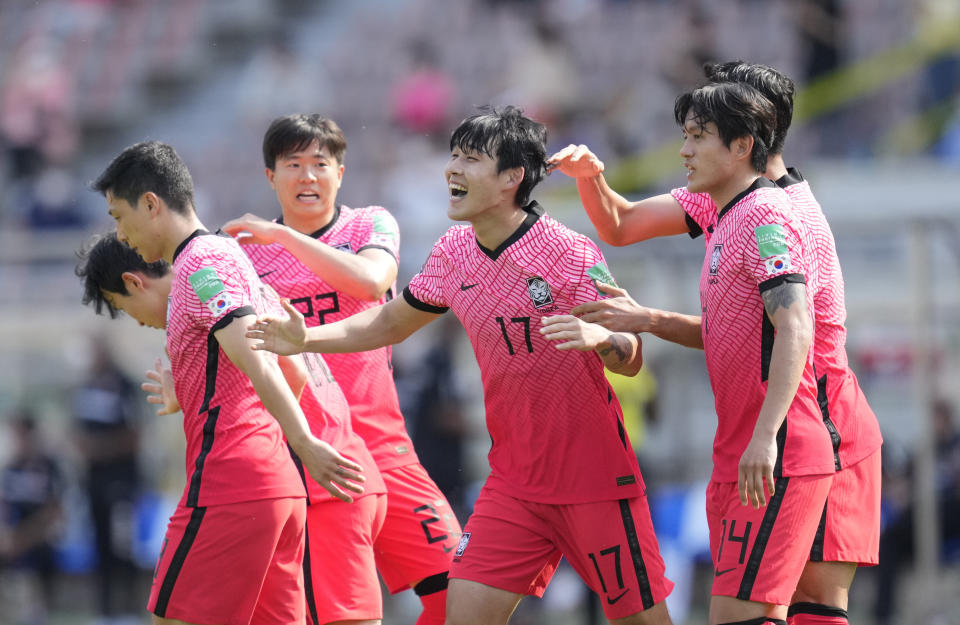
column 759, row 554
column 825, row 583
column 473, row 603
column 612, row 546
column 341, row 569
column 420, row 531
column 507, row 544
column 657, row 615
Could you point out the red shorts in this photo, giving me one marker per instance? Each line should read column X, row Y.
column 233, row 564
column 340, row 574
column 420, row 532
column 850, row 526
column 758, row 555
column 516, row 546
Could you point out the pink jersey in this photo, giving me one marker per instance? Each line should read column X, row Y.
column 756, row 243
column 556, row 426
column 855, row 430
column 235, row 448
column 365, row 377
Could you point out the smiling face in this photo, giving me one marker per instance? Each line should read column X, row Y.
column 475, row 186
column 307, row 181
column 709, row 162
column 145, row 301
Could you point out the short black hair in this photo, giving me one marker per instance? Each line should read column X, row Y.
column 149, row 166
column 776, row 87
column 101, row 265
column 513, row 139
column 293, row 133
column 738, row 110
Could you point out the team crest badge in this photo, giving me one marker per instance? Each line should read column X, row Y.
column 715, row 259
column 344, row 247
column 539, row 292
column 462, row 545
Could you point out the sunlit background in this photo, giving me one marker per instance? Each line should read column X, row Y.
column 876, row 131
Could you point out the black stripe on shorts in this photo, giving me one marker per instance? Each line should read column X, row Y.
column 763, row 535
column 646, row 594
column 816, row 551
column 176, row 564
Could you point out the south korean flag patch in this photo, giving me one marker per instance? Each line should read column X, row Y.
column 539, row 292
column 777, row 264
column 220, row 303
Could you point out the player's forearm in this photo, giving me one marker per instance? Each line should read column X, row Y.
column 604, row 207
column 787, row 361
column 621, row 353
column 369, row 329
column 350, row 273
column 676, row 328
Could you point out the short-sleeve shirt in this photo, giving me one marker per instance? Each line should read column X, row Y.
column 856, row 432
column 756, row 244
column 365, row 377
column 556, row 426
column 235, row 448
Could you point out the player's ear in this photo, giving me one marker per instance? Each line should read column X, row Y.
column 133, row 281
column 270, row 173
column 514, row 176
column 743, row 146
column 150, row 201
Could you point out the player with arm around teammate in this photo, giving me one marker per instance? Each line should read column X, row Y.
column 243, row 503
column 563, row 480
column 333, row 261
column 849, row 536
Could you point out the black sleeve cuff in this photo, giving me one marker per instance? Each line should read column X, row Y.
column 425, row 307
column 379, row 247
column 796, row 278
column 243, row 311
column 692, row 226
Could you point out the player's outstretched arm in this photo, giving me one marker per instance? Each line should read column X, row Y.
column 621, row 313
column 365, row 275
column 617, row 220
column 620, row 351
column 369, row 329
column 336, row 473
column 786, row 305
column 160, row 389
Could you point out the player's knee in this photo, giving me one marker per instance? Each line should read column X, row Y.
column 805, row 613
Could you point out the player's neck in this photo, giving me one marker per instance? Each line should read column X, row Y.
column 732, row 186
column 178, row 228
column 776, row 168
column 495, row 226
column 308, row 223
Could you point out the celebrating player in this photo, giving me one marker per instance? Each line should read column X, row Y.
column 333, row 261
column 851, row 519
column 243, row 505
column 563, row 477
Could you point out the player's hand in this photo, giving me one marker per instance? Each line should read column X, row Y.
column 160, row 391
column 576, row 161
column 755, row 474
column 573, row 333
column 252, row 229
column 340, row 476
column 280, row 336
column 619, row 313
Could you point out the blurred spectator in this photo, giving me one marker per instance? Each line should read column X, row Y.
column 107, row 435
column 421, row 100
column 896, row 540
column 437, row 410
column 32, row 487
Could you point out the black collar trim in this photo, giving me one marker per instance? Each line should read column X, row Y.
column 534, row 211
column 792, row 177
column 757, row 184
column 193, row 235
column 319, row 233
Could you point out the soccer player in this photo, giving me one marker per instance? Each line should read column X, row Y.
column 756, row 332
column 243, row 505
column 333, row 261
column 563, row 477
column 851, row 520
column 341, row 583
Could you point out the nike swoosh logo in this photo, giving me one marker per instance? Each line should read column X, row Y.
column 464, row 287
column 617, row 598
column 717, row 573
column 267, row 273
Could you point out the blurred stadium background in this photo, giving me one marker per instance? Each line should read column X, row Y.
column 877, row 131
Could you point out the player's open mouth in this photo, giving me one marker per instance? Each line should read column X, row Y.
column 457, row 190
column 308, row 196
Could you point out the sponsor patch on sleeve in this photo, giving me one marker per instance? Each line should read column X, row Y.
column 771, row 240
column 384, row 231
column 206, row 283
column 599, row 273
